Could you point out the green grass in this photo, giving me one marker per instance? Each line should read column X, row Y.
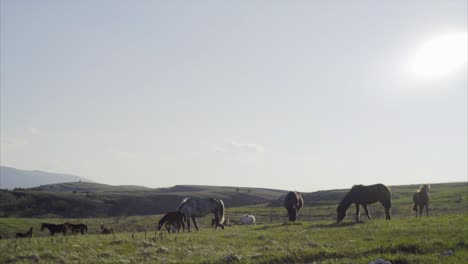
column 314, row 238
column 404, row 240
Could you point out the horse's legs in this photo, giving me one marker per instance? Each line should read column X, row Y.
column 195, row 223
column 421, row 208
column 367, row 211
column 178, row 229
column 181, row 223
column 188, row 224
column 427, row 209
column 387, row 214
column 357, row 212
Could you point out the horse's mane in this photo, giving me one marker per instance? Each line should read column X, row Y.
column 422, row 187
column 183, row 203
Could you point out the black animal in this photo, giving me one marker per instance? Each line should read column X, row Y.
column 53, row 228
column 172, row 219
column 293, row 202
column 27, row 234
column 364, row 195
column 106, row 230
column 225, row 223
column 421, row 200
column 77, row 228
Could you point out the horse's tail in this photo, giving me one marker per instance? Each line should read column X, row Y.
column 415, row 201
column 162, row 221
column 221, row 212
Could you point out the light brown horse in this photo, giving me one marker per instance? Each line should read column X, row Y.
column 421, row 200
column 364, row 195
column 293, row 202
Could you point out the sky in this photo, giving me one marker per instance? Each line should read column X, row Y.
column 293, row 95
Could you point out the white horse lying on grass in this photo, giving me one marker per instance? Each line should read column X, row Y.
column 247, row 220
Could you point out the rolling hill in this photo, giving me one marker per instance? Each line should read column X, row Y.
column 14, row 178
column 83, row 199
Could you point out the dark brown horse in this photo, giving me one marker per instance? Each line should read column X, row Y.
column 77, row 228
column 364, row 195
column 293, row 202
column 106, row 230
column 27, row 234
column 53, row 228
column 421, row 200
column 174, row 220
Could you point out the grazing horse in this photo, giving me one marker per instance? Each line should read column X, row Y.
column 172, row 219
column 247, row 220
column 53, row 228
column 199, row 207
column 293, row 202
column 364, row 195
column 77, row 228
column 27, row 234
column 421, row 200
column 106, row 231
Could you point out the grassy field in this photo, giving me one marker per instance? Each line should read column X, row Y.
column 314, row 238
column 403, row 240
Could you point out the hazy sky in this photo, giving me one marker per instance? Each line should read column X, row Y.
column 303, row 95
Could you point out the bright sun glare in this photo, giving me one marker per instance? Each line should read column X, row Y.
column 440, row 56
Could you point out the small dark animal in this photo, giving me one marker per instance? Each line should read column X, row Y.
column 172, row 219
column 53, row 228
column 225, row 223
column 421, row 200
column 77, row 228
column 293, row 202
column 27, row 234
column 106, row 231
column 364, row 195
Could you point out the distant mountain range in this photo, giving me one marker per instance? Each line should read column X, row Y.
column 14, row 178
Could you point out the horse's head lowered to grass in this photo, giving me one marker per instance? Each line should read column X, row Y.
column 199, row 207
column 362, row 196
column 293, row 202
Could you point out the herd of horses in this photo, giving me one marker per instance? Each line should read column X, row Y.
column 193, row 208
column 359, row 195
column 65, row 228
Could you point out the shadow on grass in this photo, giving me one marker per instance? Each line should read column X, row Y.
column 336, row 225
column 285, row 224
